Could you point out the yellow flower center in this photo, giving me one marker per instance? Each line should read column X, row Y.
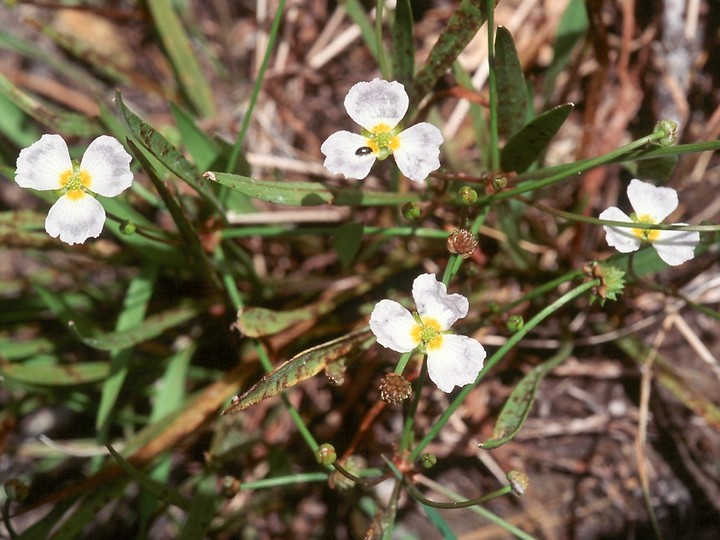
column 649, row 235
column 428, row 333
column 75, row 183
column 383, row 140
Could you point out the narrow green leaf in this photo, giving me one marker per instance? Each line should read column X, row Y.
column 15, row 125
column 347, row 242
column 527, row 144
column 403, row 43
column 62, row 308
column 659, row 169
column 181, row 55
column 359, row 16
column 308, row 193
column 155, row 143
column 47, row 372
column 150, row 328
column 58, row 121
column 258, row 321
column 460, row 29
column 162, row 150
column 202, row 148
column 190, row 237
column 518, row 405
column 303, row 366
column 510, row 82
column 12, row 349
column 160, row 490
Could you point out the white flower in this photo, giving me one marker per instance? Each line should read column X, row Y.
column 651, row 204
column 378, row 106
column 104, row 169
column 452, row 360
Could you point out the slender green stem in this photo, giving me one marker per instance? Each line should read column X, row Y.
column 485, row 513
column 575, row 169
column 388, row 520
column 495, row 358
column 407, row 435
column 6, row 519
column 419, row 497
column 285, row 480
column 494, row 145
column 544, row 288
column 232, row 162
column 570, row 216
column 284, row 230
column 294, row 414
column 228, row 279
column 403, row 362
column 381, row 56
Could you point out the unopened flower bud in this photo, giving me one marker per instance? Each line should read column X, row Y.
column 231, row 486
column 16, row 490
column 462, row 242
column 428, row 460
column 394, row 388
column 468, row 195
column 519, row 482
column 325, row 454
column 515, row 323
column 128, row 228
column 499, row 183
column 411, row 211
column 669, row 129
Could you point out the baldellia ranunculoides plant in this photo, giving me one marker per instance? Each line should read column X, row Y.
column 213, row 263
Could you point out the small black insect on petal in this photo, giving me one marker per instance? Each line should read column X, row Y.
column 363, row 151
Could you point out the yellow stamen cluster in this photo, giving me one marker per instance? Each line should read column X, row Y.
column 383, row 140
column 428, row 333
column 75, row 182
column 649, row 235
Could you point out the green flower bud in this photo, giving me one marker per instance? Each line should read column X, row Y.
column 515, row 323
column 411, row 211
column 128, row 228
column 468, row 195
column 499, row 183
column 669, row 129
column 428, row 460
column 325, row 454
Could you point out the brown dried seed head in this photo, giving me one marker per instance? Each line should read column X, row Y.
column 462, row 242
column 394, row 388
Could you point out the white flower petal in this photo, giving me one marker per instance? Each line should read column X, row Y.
column 377, row 102
column 108, row 165
column 75, row 220
column 676, row 247
column 341, row 158
column 456, row 363
column 621, row 238
column 393, row 326
column 649, row 200
column 419, row 151
column 40, row 165
column 433, row 301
